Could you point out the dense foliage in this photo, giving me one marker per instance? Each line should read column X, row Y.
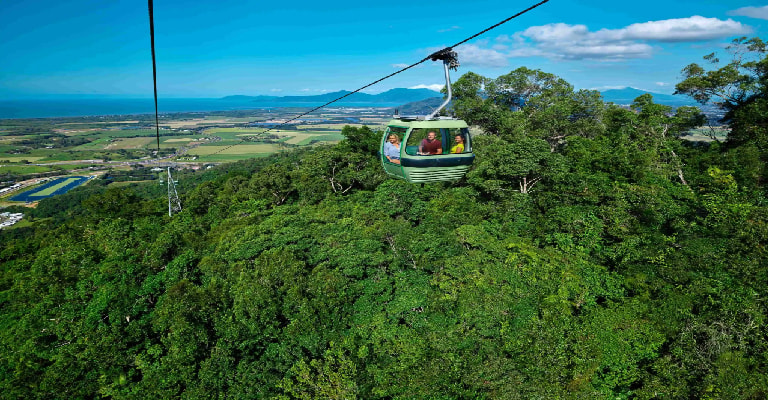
column 589, row 253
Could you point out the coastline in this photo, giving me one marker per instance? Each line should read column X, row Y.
column 58, row 108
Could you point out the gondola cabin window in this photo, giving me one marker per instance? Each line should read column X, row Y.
column 438, row 141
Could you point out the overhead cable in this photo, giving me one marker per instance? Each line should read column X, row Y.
column 154, row 71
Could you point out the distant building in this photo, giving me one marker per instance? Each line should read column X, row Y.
column 7, row 219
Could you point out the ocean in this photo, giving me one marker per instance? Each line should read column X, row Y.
column 48, row 108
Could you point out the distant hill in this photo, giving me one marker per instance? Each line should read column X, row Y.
column 393, row 96
column 628, row 95
column 420, row 101
column 422, row 107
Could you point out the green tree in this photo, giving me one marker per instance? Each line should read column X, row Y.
column 739, row 87
column 362, row 139
column 657, row 131
column 505, row 167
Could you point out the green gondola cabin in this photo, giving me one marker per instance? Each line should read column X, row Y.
column 429, row 148
column 417, row 164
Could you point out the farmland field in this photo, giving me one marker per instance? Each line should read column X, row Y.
column 9, row 139
column 234, row 130
column 337, row 127
column 307, row 138
column 224, row 157
column 239, row 149
column 130, row 143
column 201, row 122
column 232, row 134
column 4, row 158
column 97, row 144
column 133, row 138
column 183, row 139
column 24, row 169
column 706, row 134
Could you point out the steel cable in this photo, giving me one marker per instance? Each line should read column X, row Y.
column 154, row 71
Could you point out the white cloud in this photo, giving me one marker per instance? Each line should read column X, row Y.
column 453, row 28
column 753, row 12
column 555, row 32
column 603, row 88
column 662, row 84
column 559, row 41
column 694, row 28
column 472, row 54
column 574, row 42
column 399, row 65
column 604, row 51
column 436, row 87
column 275, row 90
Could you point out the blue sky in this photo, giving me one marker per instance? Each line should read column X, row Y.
column 225, row 47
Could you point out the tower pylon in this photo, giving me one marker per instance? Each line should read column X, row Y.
column 174, row 203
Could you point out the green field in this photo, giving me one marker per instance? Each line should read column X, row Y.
column 229, row 119
column 239, row 149
column 254, row 148
column 232, row 134
column 24, row 169
column 217, row 131
column 337, row 127
column 234, row 153
column 117, row 143
column 16, row 158
column 223, row 157
column 305, row 138
column 707, row 134
column 130, row 143
column 181, row 140
column 134, row 139
column 9, row 139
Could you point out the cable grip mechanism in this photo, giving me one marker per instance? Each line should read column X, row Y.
column 447, row 56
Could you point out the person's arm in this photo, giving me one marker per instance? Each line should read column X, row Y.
column 440, row 149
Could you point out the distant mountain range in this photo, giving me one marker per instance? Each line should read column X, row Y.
column 390, row 97
column 421, row 107
column 629, row 94
column 427, row 98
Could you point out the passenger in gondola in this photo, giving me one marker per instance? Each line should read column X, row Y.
column 431, row 145
column 459, row 147
column 392, row 148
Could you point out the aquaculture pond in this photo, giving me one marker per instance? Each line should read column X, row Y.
column 52, row 188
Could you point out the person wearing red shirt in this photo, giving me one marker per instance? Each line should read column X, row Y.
column 430, row 145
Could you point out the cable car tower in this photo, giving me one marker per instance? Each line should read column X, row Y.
column 174, row 204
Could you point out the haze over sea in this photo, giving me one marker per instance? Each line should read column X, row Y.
column 47, row 108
